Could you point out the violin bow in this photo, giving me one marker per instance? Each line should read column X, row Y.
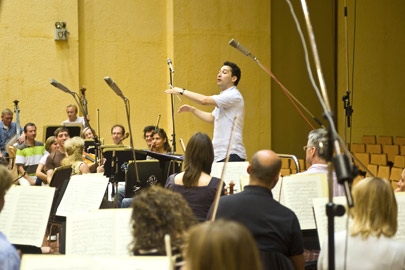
column 221, row 180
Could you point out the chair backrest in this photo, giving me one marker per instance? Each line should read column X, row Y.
column 374, row 148
column 399, row 161
column 399, row 140
column 369, row 139
column 364, row 158
column 384, row 172
column 395, row 173
column 391, row 150
column 357, row 148
column 373, row 168
column 378, row 159
column 385, row 140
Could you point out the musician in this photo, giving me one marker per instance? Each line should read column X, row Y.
column 71, row 111
column 9, row 257
column 147, row 135
column 50, row 146
column 157, row 211
column 88, row 133
column 8, row 129
column 74, row 156
column 160, row 142
column 369, row 243
column 208, row 246
column 274, row 227
column 196, row 184
column 316, row 154
column 228, row 104
column 117, row 133
column 54, row 159
column 28, row 156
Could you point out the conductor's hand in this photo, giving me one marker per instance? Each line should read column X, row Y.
column 185, row 108
column 174, row 90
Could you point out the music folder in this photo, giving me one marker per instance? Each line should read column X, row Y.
column 75, row 130
column 149, row 173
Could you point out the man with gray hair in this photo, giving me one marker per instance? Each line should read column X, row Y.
column 275, row 228
column 316, row 154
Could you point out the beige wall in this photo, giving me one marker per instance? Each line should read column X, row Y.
column 130, row 41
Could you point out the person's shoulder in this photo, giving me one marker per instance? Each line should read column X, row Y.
column 38, row 143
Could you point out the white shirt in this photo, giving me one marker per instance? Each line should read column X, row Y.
column 79, row 120
column 369, row 254
column 229, row 104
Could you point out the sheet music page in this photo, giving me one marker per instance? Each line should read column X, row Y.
column 233, row 172
column 25, row 214
column 400, row 235
column 99, row 232
column 83, row 262
column 322, row 219
column 83, row 193
column 298, row 190
column 277, row 189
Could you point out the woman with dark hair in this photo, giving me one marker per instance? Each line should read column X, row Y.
column 160, row 142
column 195, row 183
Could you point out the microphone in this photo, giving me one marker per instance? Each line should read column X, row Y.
column 114, row 87
column 60, row 86
column 240, row 48
column 169, row 62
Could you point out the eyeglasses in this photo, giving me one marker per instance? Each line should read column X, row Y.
column 305, row 147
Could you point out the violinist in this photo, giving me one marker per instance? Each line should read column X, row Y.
column 74, row 156
column 50, row 146
column 147, row 135
column 160, row 142
column 88, row 133
column 54, row 159
column 117, row 133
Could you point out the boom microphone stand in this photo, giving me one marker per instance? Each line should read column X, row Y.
column 75, row 96
column 118, row 91
column 341, row 163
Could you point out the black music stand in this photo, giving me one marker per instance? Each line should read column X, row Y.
column 74, row 130
column 169, row 164
column 149, row 173
column 60, row 180
column 122, row 154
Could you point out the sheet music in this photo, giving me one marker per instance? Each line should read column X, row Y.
column 83, row 193
column 82, row 262
column 340, row 222
column 233, row 172
column 100, row 232
column 297, row 193
column 400, row 235
column 25, row 214
column 322, row 219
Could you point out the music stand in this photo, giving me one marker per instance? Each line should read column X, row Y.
column 75, row 130
column 149, row 173
column 60, row 180
column 169, row 164
column 122, row 154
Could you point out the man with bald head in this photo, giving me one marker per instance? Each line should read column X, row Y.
column 275, row 227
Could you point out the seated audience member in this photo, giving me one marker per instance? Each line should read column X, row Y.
column 274, row 227
column 9, row 257
column 160, row 142
column 196, row 184
column 50, row 146
column 74, row 156
column 401, row 182
column 369, row 243
column 156, row 212
column 316, row 154
column 220, row 245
